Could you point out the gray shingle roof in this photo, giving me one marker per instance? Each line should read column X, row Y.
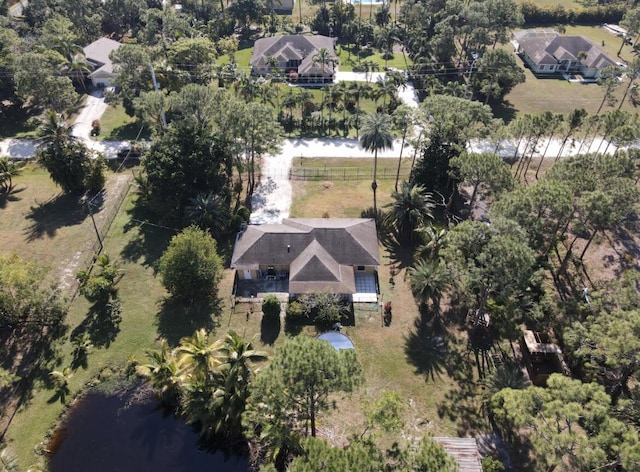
column 97, row 54
column 549, row 48
column 320, row 252
column 290, row 47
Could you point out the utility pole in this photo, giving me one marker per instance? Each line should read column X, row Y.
column 95, row 227
column 467, row 93
column 156, row 87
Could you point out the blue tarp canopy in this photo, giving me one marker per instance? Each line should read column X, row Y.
column 337, row 340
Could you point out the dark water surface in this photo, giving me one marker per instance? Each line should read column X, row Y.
column 103, row 433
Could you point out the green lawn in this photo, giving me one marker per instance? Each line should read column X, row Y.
column 115, row 124
column 39, row 222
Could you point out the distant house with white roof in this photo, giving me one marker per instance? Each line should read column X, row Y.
column 97, row 56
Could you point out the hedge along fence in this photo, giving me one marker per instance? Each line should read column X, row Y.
column 346, row 173
column 544, row 15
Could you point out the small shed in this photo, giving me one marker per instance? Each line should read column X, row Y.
column 541, row 356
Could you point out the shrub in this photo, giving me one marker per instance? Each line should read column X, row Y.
column 296, row 312
column 100, row 287
column 324, row 309
column 271, row 306
column 191, row 268
column 244, row 213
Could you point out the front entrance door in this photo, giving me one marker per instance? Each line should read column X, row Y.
column 247, row 274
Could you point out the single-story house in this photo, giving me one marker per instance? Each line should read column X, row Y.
column 97, row 56
column 312, row 255
column 548, row 52
column 296, row 56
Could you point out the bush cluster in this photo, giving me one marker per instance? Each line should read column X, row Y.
column 542, row 15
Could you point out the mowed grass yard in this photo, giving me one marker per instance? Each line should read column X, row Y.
column 40, row 222
column 393, row 357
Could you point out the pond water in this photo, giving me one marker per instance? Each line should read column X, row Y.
column 104, row 433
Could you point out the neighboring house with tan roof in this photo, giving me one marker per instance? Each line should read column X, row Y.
column 548, row 52
column 295, row 55
column 311, row 255
column 97, row 56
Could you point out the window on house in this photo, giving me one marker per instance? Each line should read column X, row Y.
column 360, row 267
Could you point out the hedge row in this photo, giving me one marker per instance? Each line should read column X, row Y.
column 541, row 15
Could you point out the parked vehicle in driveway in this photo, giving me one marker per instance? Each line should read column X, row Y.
column 129, row 152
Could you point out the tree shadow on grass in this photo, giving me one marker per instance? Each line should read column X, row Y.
column 426, row 349
column 176, row 320
column 463, row 404
column 128, row 132
column 58, row 212
column 503, row 109
column 401, row 254
column 270, row 329
column 102, row 323
column 30, row 353
column 9, row 197
column 149, row 241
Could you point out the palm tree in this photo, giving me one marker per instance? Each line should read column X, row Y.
column 55, row 134
column 385, row 88
column 78, row 67
column 164, row 372
column 233, row 378
column 376, row 135
column 60, row 380
column 434, row 240
column 358, row 91
column 325, row 59
column 210, row 212
column 403, row 117
column 290, row 101
column 8, row 461
column 8, row 170
column 429, row 280
column 411, row 208
column 332, row 97
column 505, row 376
column 197, row 357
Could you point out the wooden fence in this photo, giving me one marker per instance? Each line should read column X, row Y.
column 345, row 173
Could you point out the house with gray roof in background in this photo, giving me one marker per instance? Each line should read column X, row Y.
column 309, row 255
column 549, row 53
column 97, row 56
column 295, row 56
